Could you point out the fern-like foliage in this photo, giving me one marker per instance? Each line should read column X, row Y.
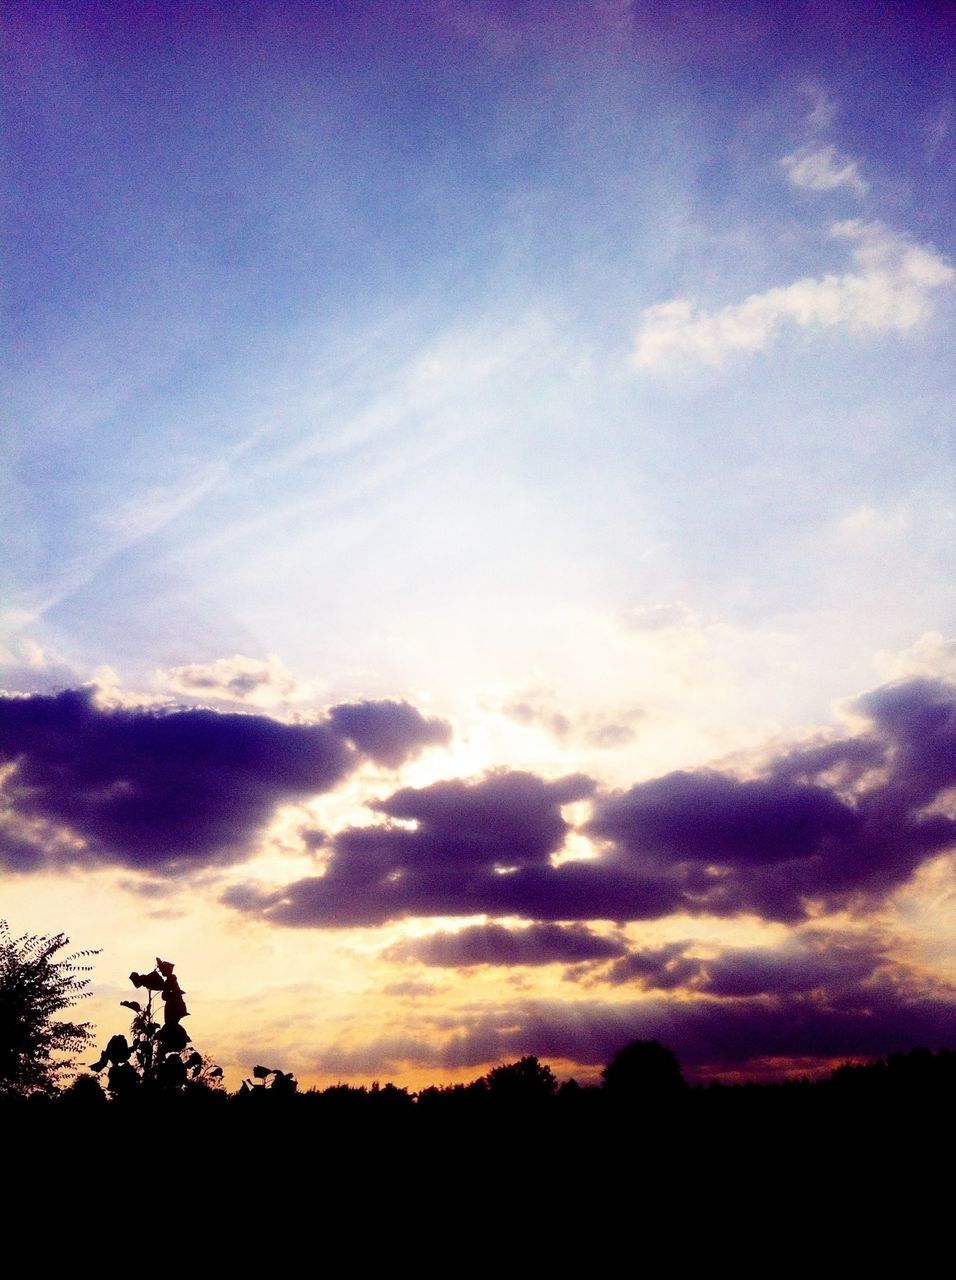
column 37, row 1047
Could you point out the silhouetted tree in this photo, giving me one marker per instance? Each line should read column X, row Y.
column 643, row 1070
column 527, row 1080
column 36, row 1046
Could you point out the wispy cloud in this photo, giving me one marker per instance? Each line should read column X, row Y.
column 889, row 289
column 824, row 169
column 822, row 106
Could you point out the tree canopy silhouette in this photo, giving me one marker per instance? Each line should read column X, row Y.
column 525, row 1081
column 35, row 1045
column 644, row 1069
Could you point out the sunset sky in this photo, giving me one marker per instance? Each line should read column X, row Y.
column 479, row 523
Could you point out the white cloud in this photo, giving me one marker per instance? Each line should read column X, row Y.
column 931, row 655
column 252, row 681
column 27, row 668
column 823, row 169
column 889, row 289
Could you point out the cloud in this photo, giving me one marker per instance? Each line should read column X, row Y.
column 383, row 1054
column 152, row 790
column 612, row 734
column 493, row 944
column 654, row 968
column 816, row 168
column 837, row 822
column 471, row 841
column 411, row 989
column 388, row 732
column 26, row 668
column 828, row 962
column 531, row 711
column 889, row 290
column 931, row 655
column 253, row 681
column 710, row 1036
column 832, row 824
column 534, row 710
column 160, row 789
column 823, row 107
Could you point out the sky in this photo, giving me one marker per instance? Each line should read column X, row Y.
column 478, row 515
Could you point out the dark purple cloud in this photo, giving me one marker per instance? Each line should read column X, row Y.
column 711, row 818
column 375, row 876
column 388, row 732
column 654, row 968
column 161, row 789
column 838, row 824
column 478, row 846
column 151, row 789
column 493, row 944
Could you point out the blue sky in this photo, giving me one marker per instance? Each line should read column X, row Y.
column 581, row 374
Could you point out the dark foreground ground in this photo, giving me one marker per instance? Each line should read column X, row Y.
column 855, row 1173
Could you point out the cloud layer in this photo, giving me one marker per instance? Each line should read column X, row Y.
column 709, row 1036
column 835, row 824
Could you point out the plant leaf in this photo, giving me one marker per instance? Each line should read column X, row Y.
column 117, row 1050
column 151, row 981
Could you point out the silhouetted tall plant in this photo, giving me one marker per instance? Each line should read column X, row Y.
column 152, row 1058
